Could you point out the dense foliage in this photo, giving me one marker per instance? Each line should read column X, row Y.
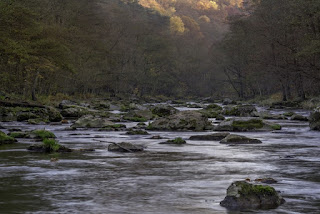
column 274, row 47
column 160, row 47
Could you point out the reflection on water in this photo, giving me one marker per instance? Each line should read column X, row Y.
column 165, row 179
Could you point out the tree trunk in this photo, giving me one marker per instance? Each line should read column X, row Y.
column 34, row 87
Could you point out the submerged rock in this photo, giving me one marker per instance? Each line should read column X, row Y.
column 242, row 195
column 239, row 139
column 125, row 147
column 176, row 141
column 214, row 137
column 92, row 122
column 185, row 120
column 156, row 137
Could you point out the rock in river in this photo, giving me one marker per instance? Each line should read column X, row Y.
column 90, row 121
column 5, row 139
column 125, row 147
column 211, row 137
column 238, row 139
column 184, row 120
column 242, row 195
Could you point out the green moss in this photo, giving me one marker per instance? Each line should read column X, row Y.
column 116, row 126
column 51, row 145
column 19, row 135
column 135, row 119
column 249, row 124
column 232, row 112
column 249, row 189
column 177, row 140
column 5, row 139
column 43, row 134
column 276, row 127
column 209, row 113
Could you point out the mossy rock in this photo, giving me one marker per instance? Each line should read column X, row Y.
column 298, row 117
column 42, row 134
column 247, row 125
column 163, row 110
column 5, row 139
column 209, row 113
column 37, row 121
column 54, row 115
column 176, row 141
column 90, row 121
column 19, row 134
column 242, row 195
column 137, row 132
column 24, row 116
column 239, row 139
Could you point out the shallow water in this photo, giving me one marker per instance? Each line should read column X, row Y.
column 165, row 179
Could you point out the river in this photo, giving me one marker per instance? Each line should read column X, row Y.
column 164, row 179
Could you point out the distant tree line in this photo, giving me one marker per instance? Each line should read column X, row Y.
column 160, row 47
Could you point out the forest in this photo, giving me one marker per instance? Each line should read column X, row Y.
column 173, row 48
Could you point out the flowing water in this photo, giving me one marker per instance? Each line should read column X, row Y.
column 192, row 178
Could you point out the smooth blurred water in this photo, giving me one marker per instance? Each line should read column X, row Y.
column 192, row 178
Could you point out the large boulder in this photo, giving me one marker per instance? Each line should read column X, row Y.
column 74, row 112
column 238, row 139
column 247, row 125
column 211, row 137
column 138, row 115
column 242, row 195
column 53, row 114
column 67, row 104
column 184, row 120
column 163, row 110
column 90, row 121
column 241, row 111
column 24, row 116
column 315, row 119
column 7, row 114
